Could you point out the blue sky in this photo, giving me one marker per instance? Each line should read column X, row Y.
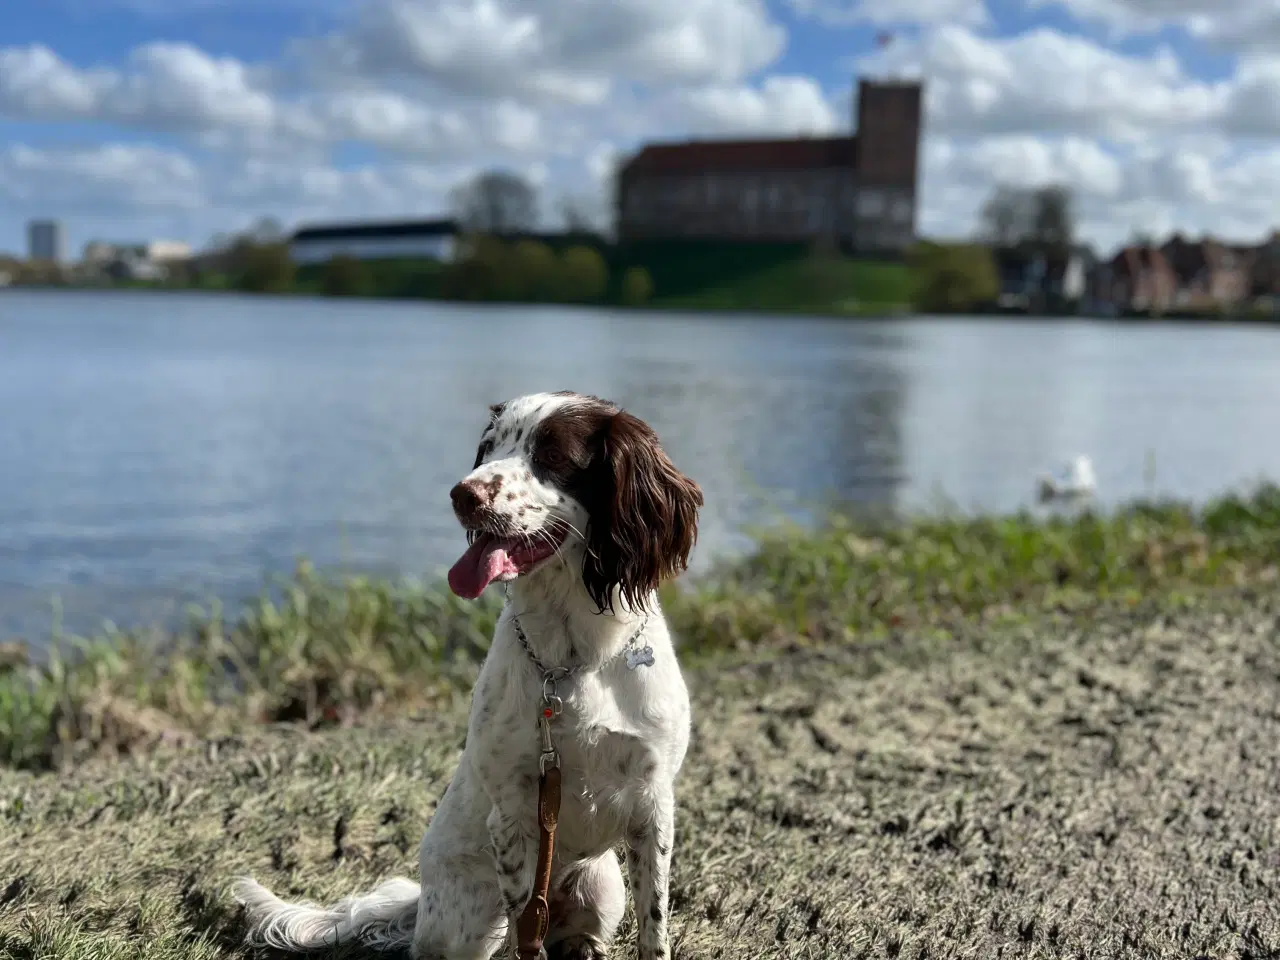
column 182, row 118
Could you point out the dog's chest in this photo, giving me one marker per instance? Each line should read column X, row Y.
column 607, row 765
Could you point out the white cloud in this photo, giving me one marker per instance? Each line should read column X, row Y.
column 35, row 84
column 1226, row 24
column 108, row 177
column 1206, row 186
column 165, row 86
column 780, row 106
column 894, row 12
column 568, row 51
column 388, row 120
column 178, row 88
column 1045, row 81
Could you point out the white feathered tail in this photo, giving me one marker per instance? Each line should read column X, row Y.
column 382, row 919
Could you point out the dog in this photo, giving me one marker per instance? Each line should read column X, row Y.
column 575, row 508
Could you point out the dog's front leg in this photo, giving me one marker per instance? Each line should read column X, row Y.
column 515, row 858
column 649, row 845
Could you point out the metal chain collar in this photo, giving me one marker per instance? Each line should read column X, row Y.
column 551, row 703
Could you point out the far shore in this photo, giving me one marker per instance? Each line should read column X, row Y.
column 692, row 305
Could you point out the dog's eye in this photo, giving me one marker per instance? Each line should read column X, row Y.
column 550, row 457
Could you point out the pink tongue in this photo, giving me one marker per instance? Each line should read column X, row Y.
column 484, row 561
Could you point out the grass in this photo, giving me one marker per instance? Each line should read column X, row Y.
column 811, row 284
column 947, row 737
column 1098, row 786
column 321, row 652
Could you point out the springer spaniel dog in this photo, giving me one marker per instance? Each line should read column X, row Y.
column 574, row 507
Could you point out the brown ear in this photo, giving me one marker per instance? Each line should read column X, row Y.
column 646, row 523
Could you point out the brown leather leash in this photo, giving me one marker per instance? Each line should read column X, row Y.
column 531, row 928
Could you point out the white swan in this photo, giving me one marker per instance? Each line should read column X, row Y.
column 1072, row 481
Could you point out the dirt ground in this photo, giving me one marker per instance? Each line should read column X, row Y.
column 1102, row 790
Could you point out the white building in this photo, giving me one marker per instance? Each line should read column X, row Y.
column 167, row 251
column 407, row 239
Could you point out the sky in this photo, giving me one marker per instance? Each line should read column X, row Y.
column 180, row 119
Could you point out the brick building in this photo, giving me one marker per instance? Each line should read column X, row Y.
column 856, row 191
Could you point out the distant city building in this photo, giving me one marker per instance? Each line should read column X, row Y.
column 433, row 239
column 858, row 191
column 45, row 241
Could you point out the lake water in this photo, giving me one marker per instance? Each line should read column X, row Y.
column 157, row 449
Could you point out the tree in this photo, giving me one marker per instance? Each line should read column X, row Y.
column 266, row 230
column 953, row 278
column 496, row 202
column 577, row 215
column 1039, row 220
column 480, row 270
column 218, row 243
column 345, row 276
column 637, row 287
column 262, row 268
column 533, row 271
column 1005, row 218
column 584, row 276
column 1053, row 223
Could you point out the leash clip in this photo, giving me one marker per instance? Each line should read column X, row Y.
column 552, row 707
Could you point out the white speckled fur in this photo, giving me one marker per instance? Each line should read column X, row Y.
column 622, row 739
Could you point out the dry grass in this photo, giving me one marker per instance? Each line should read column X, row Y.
column 1104, row 789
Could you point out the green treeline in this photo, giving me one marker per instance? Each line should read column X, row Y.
column 585, row 269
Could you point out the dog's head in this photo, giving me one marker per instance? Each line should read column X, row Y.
column 570, row 485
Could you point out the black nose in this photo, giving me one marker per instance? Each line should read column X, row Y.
column 468, row 500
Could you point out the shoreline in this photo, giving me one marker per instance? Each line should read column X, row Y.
column 693, row 305
column 331, row 652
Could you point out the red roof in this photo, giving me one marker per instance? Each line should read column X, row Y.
column 726, row 156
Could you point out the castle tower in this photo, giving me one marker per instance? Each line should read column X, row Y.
column 888, row 153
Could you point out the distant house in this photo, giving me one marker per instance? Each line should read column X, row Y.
column 1138, row 279
column 408, row 239
column 1209, row 274
column 1264, row 272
